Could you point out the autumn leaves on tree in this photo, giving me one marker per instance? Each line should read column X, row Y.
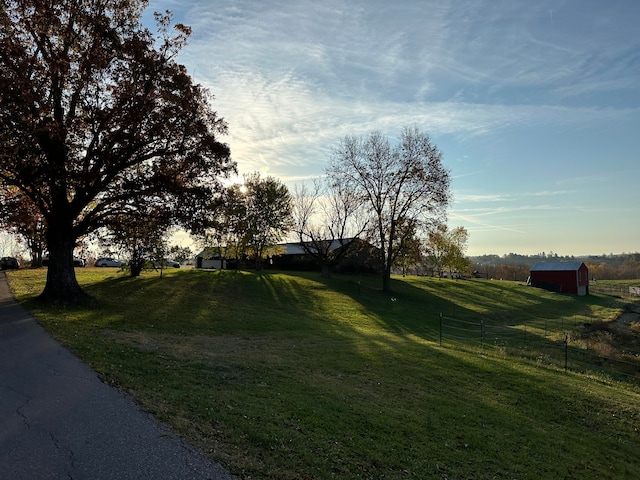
column 98, row 122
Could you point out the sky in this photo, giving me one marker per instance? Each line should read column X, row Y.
column 534, row 105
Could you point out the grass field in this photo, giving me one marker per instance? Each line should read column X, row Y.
column 288, row 376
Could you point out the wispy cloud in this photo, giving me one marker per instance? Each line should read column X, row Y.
column 284, row 122
column 474, row 224
column 293, row 77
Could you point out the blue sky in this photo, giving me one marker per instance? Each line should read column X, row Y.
column 534, row 105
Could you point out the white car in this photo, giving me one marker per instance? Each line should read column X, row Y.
column 166, row 264
column 108, row 262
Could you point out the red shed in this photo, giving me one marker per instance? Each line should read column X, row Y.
column 569, row 277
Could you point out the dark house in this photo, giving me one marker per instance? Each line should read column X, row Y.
column 361, row 258
column 567, row 277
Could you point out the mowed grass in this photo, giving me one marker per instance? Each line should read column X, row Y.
column 290, row 376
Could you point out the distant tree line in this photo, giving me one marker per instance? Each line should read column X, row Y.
column 625, row 266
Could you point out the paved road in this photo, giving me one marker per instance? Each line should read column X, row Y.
column 59, row 421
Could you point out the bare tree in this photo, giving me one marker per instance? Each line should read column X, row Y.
column 404, row 184
column 326, row 220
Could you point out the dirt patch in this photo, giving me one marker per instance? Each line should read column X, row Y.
column 628, row 320
column 616, row 339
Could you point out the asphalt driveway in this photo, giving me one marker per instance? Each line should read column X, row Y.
column 59, row 421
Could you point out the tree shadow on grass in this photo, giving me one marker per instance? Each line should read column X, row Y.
column 492, row 316
column 335, row 375
column 277, row 298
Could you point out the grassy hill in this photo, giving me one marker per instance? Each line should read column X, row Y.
column 290, row 376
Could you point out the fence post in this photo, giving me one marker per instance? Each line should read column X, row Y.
column 566, row 350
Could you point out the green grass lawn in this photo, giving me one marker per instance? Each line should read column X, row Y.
column 290, row 376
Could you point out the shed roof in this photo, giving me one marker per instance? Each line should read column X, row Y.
column 556, row 266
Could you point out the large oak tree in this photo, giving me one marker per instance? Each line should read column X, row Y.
column 404, row 186
column 97, row 116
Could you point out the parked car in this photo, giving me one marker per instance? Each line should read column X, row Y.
column 166, row 264
column 108, row 262
column 9, row 263
column 77, row 262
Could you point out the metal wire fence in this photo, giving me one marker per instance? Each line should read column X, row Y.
column 558, row 343
column 618, row 290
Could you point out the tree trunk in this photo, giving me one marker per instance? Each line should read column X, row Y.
column 386, row 280
column 386, row 272
column 36, row 258
column 62, row 287
column 325, row 270
column 135, row 268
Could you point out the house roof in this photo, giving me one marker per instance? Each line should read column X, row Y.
column 291, row 248
column 294, row 248
column 297, row 248
column 556, row 266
